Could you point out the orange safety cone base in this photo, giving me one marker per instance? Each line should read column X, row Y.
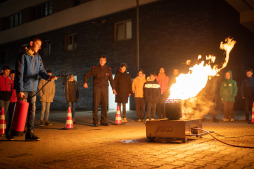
column 118, row 116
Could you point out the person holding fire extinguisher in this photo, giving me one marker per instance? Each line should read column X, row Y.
column 29, row 68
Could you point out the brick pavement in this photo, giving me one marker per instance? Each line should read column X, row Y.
column 126, row 146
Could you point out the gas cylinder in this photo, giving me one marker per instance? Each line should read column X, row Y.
column 19, row 118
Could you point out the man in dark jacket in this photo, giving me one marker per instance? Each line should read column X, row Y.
column 152, row 94
column 29, row 68
column 247, row 92
column 101, row 74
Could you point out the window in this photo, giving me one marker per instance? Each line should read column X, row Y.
column 70, row 42
column 44, row 9
column 15, row 19
column 46, row 48
column 123, row 30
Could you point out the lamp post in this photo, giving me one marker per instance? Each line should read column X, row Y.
column 138, row 52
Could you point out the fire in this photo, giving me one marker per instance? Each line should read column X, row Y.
column 190, row 84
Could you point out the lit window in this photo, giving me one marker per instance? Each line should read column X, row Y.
column 123, row 30
column 70, row 42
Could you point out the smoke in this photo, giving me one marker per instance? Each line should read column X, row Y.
column 204, row 103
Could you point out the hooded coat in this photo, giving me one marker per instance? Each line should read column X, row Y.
column 228, row 89
column 48, row 92
column 123, row 87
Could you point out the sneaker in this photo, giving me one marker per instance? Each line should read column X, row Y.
column 31, row 137
column 96, row 125
column 41, row 123
column 105, row 124
column 47, row 123
column 125, row 120
column 232, row 119
column 9, row 137
column 225, row 119
column 139, row 120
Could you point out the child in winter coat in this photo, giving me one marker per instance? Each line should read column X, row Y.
column 163, row 81
column 72, row 94
column 228, row 91
column 138, row 90
column 152, row 94
column 46, row 97
column 123, row 88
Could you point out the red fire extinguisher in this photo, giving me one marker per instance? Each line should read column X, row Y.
column 19, row 118
column 20, row 114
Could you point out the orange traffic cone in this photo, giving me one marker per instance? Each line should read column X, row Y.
column 69, row 122
column 118, row 116
column 252, row 116
column 2, row 122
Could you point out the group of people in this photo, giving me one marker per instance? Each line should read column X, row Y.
column 23, row 83
column 228, row 92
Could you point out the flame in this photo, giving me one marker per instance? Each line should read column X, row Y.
column 190, row 84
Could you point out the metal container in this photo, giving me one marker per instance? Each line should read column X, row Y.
column 179, row 129
column 173, row 109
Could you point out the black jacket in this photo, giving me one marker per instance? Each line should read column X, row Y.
column 71, row 91
column 123, row 87
column 247, row 87
column 152, row 91
column 101, row 75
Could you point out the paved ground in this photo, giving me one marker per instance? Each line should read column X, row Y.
column 126, row 146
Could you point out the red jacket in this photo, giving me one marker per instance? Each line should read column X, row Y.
column 5, row 88
column 14, row 95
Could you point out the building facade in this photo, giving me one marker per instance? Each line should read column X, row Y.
column 76, row 33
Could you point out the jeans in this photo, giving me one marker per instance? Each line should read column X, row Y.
column 140, row 107
column 229, row 110
column 45, row 106
column 151, row 108
column 5, row 104
column 31, row 110
column 248, row 103
column 124, row 108
column 11, row 113
column 72, row 106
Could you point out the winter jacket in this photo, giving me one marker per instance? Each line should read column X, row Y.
column 138, row 86
column 101, row 75
column 163, row 84
column 228, row 89
column 247, row 87
column 71, row 91
column 152, row 92
column 123, row 87
column 5, row 88
column 14, row 95
column 48, row 91
column 28, row 70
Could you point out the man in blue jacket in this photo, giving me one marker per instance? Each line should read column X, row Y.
column 28, row 68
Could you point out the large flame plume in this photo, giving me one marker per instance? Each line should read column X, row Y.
column 190, row 84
